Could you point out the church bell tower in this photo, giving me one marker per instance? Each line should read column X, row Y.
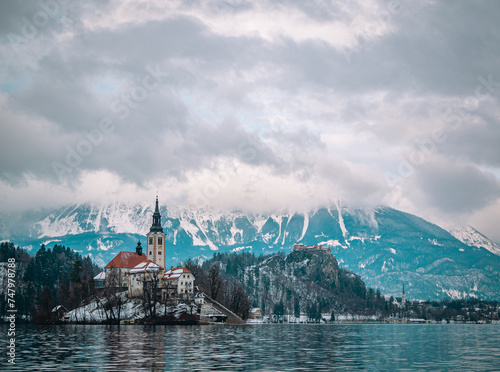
column 156, row 251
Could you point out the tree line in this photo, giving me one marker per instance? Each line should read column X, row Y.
column 51, row 277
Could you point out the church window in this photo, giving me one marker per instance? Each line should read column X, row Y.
column 159, row 253
column 160, row 241
column 150, row 253
column 150, row 240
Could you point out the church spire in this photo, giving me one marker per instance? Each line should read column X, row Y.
column 156, row 226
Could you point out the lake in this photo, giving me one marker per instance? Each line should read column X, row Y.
column 268, row 347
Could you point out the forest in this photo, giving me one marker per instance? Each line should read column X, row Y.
column 51, row 277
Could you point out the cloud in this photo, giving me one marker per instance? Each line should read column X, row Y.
column 456, row 187
column 271, row 103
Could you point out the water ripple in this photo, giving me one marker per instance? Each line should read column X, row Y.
column 257, row 348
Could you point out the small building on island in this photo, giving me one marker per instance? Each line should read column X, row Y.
column 142, row 274
column 58, row 313
column 178, row 282
column 100, row 280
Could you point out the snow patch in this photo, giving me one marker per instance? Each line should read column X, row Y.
column 332, row 243
column 369, row 261
column 234, row 231
column 434, row 242
column 238, row 249
column 384, row 269
column 47, row 242
column 306, row 225
column 356, row 238
column 345, row 233
column 191, row 230
column 471, row 237
column 456, row 294
column 259, row 223
column 266, row 238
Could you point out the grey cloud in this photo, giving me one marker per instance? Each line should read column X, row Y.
column 455, row 187
column 436, row 49
column 477, row 142
column 440, row 48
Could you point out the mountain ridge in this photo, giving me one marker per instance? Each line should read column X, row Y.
column 386, row 247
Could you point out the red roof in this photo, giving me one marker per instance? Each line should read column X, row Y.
column 126, row 260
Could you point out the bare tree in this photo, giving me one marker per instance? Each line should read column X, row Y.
column 169, row 286
column 215, row 280
column 239, row 303
column 111, row 295
column 151, row 285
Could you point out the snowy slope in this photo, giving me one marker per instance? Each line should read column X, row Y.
column 470, row 236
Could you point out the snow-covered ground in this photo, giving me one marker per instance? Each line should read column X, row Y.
column 131, row 309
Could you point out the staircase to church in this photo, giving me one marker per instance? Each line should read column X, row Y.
column 232, row 318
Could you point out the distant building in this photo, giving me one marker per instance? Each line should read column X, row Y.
column 255, row 313
column 310, row 248
column 58, row 313
column 299, row 246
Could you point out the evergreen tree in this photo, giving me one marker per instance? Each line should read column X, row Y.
column 44, row 309
column 296, row 308
column 279, row 310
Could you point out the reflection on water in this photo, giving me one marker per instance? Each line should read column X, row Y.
column 257, row 347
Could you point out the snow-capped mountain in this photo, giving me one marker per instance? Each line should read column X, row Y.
column 386, row 247
column 470, row 236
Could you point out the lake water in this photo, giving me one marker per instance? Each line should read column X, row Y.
column 256, row 347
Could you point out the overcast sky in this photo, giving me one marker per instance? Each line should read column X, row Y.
column 256, row 105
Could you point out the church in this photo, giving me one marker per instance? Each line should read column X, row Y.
column 139, row 271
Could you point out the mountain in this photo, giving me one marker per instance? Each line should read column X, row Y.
column 470, row 236
column 386, row 247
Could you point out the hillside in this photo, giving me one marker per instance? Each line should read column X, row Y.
column 295, row 282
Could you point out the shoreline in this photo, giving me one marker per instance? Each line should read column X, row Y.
column 205, row 323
